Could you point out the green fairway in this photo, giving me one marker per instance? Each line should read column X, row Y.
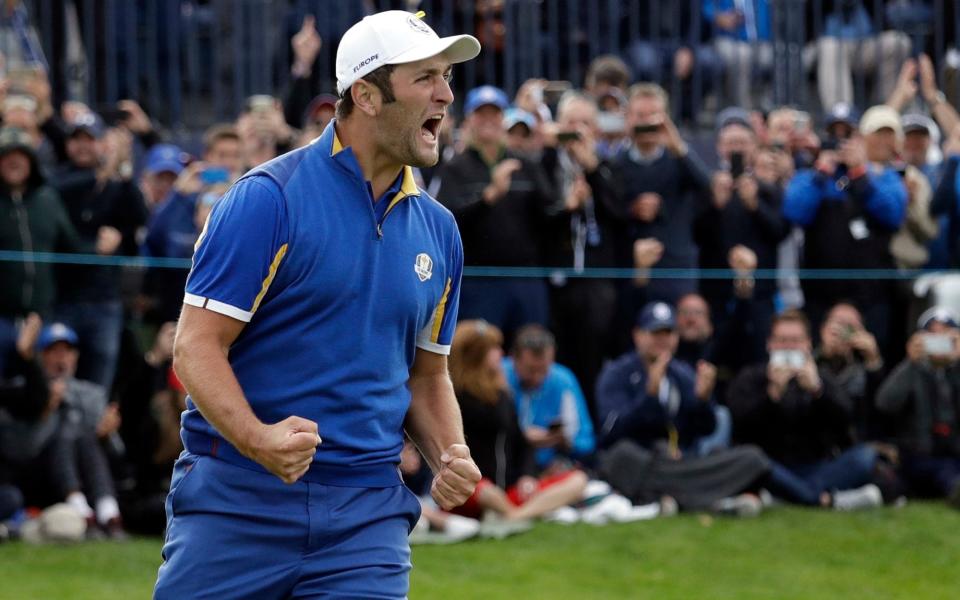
column 787, row 553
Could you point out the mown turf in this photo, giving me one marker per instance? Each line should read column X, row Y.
column 912, row 553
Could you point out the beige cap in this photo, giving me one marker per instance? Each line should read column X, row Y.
column 879, row 117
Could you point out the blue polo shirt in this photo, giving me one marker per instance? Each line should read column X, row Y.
column 338, row 292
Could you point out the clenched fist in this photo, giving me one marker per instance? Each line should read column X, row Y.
column 457, row 479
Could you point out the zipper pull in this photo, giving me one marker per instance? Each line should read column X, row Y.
column 379, row 231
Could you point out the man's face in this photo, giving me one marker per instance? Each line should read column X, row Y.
column 780, row 125
column 157, row 186
column 651, row 344
column 576, row 115
column 693, row 319
column 408, row 129
column 789, row 335
column 520, row 139
column 736, row 138
column 83, row 150
column 915, row 146
column 881, row 145
column 486, row 125
column 226, row 153
column 15, row 168
column 645, row 110
column 532, row 367
column 59, row 360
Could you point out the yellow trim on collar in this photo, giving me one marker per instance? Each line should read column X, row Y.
column 337, row 146
column 408, row 187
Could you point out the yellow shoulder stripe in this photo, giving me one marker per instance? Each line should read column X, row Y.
column 269, row 278
column 439, row 312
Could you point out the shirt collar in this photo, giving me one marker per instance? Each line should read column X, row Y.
column 644, row 159
column 343, row 155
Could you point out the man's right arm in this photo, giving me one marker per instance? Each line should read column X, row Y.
column 200, row 351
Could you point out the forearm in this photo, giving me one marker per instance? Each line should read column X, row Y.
column 203, row 368
column 433, row 420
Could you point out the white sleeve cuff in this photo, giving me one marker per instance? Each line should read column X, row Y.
column 432, row 347
column 218, row 307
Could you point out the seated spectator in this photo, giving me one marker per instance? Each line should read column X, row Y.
column 802, row 420
column 502, row 203
column 664, row 185
column 510, row 487
column 850, row 355
column 849, row 45
column 48, row 437
column 551, row 408
column 921, row 397
column 741, row 36
column 658, row 422
column 849, row 207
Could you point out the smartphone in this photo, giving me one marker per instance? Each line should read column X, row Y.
column 937, row 344
column 260, row 103
column 214, row 175
column 801, row 122
column 567, row 136
column 736, row 164
column 610, row 122
column 113, row 116
column 794, row 359
column 555, row 425
column 646, row 128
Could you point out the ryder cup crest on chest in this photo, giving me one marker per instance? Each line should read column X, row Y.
column 423, row 266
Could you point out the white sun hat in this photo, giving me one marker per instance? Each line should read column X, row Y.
column 394, row 37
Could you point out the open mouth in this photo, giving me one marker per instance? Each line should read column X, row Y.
column 431, row 127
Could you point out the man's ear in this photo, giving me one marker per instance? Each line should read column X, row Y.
column 366, row 97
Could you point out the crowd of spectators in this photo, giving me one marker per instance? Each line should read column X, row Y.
column 583, row 397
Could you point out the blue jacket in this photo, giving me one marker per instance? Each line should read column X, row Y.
column 625, row 410
column 558, row 399
column 853, row 26
column 883, row 191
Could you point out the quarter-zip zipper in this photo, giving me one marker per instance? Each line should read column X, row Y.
column 26, row 241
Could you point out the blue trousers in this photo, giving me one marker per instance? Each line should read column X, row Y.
column 237, row 533
column 99, row 326
column 803, row 484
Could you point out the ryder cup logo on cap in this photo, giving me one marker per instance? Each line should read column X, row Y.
column 395, row 37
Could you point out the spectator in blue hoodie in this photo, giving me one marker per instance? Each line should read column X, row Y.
column 849, row 206
column 551, row 408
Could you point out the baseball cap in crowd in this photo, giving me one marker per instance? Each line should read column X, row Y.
column 917, row 122
column 56, row 332
column 938, row 314
column 517, row 116
column 395, row 37
column 87, row 122
column 842, row 112
column 880, row 117
column 656, row 316
column 13, row 138
column 484, row 95
column 733, row 115
column 165, row 158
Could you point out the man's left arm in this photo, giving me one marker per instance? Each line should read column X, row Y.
column 434, row 424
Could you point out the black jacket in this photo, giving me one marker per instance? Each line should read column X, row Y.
column 800, row 428
column 510, row 232
column 924, row 406
column 496, row 442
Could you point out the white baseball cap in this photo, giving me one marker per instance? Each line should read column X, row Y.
column 394, row 37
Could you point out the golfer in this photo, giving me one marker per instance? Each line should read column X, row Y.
column 315, row 328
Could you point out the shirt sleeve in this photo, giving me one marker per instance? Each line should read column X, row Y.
column 239, row 250
column 438, row 334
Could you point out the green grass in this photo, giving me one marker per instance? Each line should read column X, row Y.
column 788, row 553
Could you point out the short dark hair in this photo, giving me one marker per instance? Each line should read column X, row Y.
column 216, row 133
column 535, row 338
column 379, row 77
column 791, row 315
column 608, row 69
